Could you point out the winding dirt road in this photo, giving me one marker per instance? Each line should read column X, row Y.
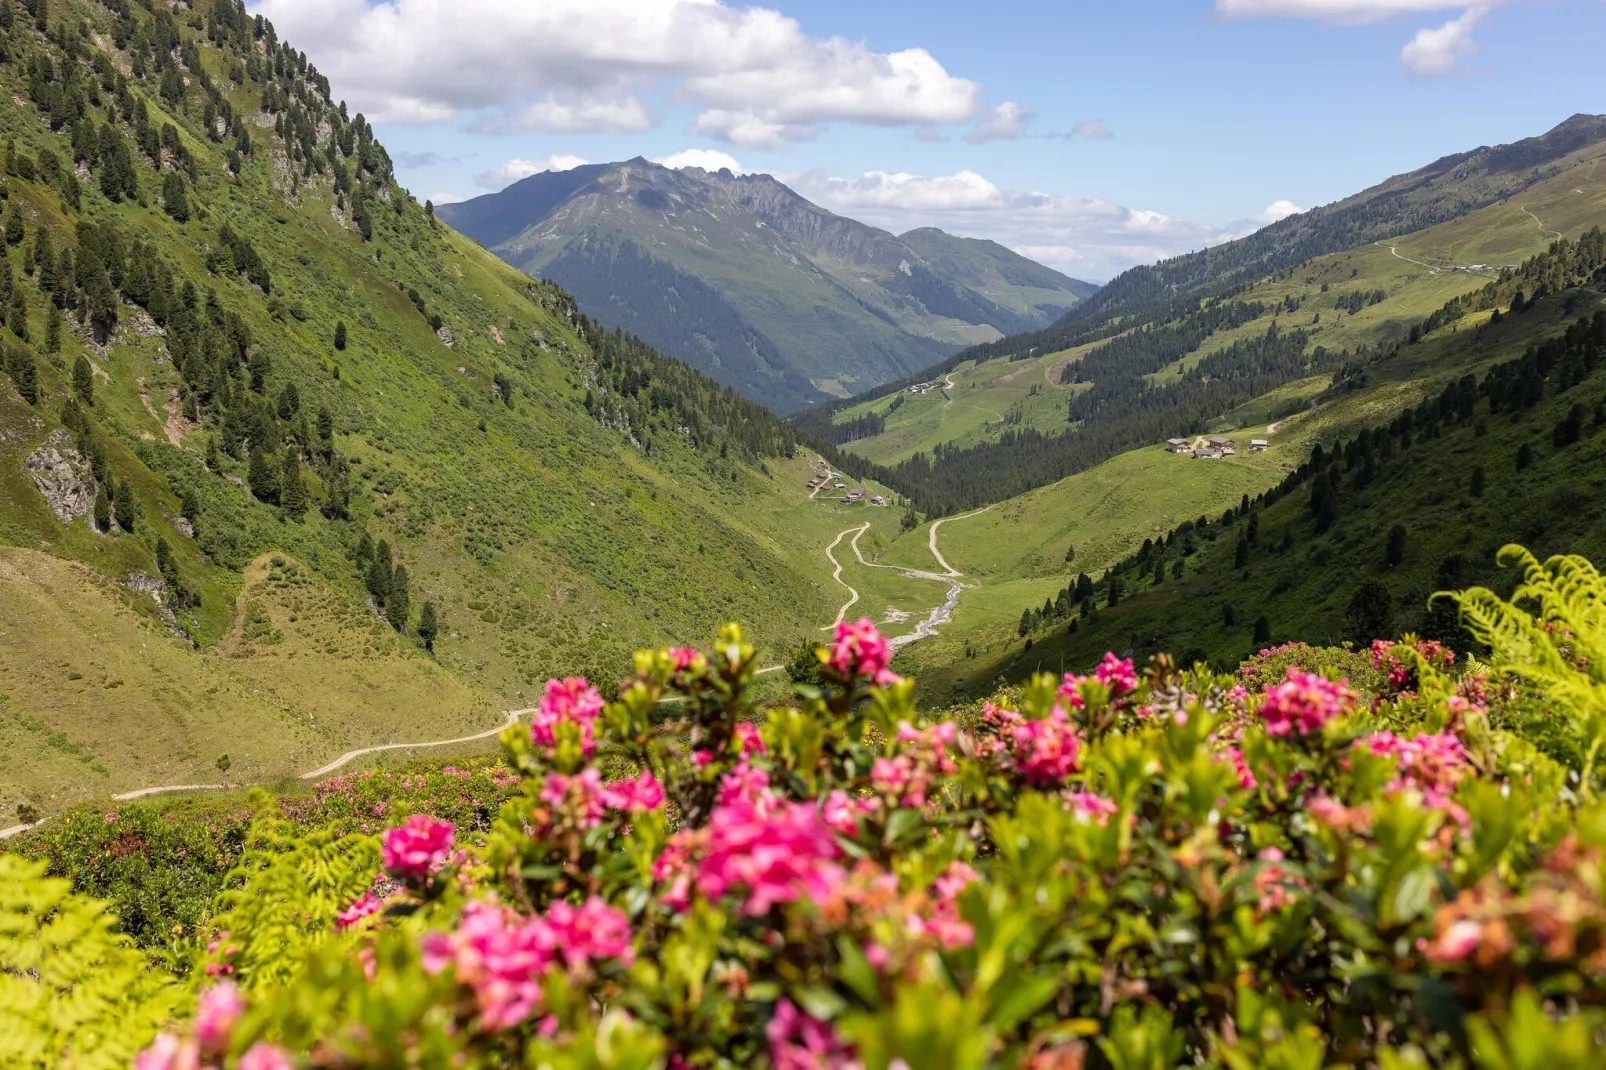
column 939, row 615
column 322, row 770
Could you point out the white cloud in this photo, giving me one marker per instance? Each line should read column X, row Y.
column 707, row 159
column 504, row 175
column 1438, row 52
column 1434, row 52
column 1006, row 122
column 1276, row 212
column 575, row 114
column 1347, row 11
column 447, row 198
column 1084, row 236
column 1093, row 129
column 756, row 76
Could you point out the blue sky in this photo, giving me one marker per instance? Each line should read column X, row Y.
column 1207, row 117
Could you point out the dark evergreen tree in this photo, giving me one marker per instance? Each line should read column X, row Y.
column 1396, row 545
column 397, row 603
column 24, row 373
column 263, row 475
column 379, row 572
column 428, row 626
column 1240, row 556
column 175, row 201
column 340, row 335
column 1370, row 614
column 103, row 508
column 1525, row 456
column 292, row 489
column 83, row 380
column 1262, row 630
column 289, row 401
column 124, row 506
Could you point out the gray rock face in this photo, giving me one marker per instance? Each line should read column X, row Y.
column 62, row 475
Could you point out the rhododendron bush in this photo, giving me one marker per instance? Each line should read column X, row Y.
column 1140, row 867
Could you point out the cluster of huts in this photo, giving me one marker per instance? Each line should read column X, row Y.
column 1213, row 447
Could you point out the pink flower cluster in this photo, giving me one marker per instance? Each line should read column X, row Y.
column 905, row 778
column 1303, row 703
column 568, row 701
column 217, row 1013
column 799, row 1042
column 503, row 955
column 764, row 849
column 1045, row 751
column 364, row 906
column 1095, row 808
column 417, row 847
column 581, row 800
column 860, row 651
column 1117, row 674
column 1431, row 764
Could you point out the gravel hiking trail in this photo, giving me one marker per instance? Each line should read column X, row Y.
column 322, row 770
column 950, row 576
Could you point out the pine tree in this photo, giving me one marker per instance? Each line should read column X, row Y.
column 340, row 335
column 24, row 373
column 263, row 476
column 1525, row 456
column 17, row 320
column 379, row 573
column 83, row 380
column 1396, row 545
column 14, row 227
column 1025, row 623
column 397, row 605
column 289, row 401
column 292, row 490
column 1262, row 630
column 428, row 626
column 190, row 505
column 103, row 508
column 175, row 202
column 53, row 328
column 1240, row 556
column 124, row 507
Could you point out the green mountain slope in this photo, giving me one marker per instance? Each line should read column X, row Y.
column 751, row 283
column 1504, row 442
column 230, row 339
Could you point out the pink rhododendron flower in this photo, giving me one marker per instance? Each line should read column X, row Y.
column 576, row 800
column 1456, row 942
column 1240, row 765
column 502, row 955
column 636, row 796
column 748, row 740
column 571, row 700
column 799, row 1042
column 1045, row 751
column 111, row 817
column 747, row 785
column 1070, row 691
column 216, row 1013
column 1431, row 764
column 264, row 1056
column 773, row 857
column 416, row 847
column 861, row 651
column 684, row 658
column 1117, row 674
column 841, row 812
column 167, row 1052
column 1094, row 807
column 595, row 930
column 1303, row 703
column 366, row 905
column 953, row 880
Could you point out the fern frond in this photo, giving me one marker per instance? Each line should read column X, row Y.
column 76, row 994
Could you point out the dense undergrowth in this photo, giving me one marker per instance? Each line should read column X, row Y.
column 1322, row 859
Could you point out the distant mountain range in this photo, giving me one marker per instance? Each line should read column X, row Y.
column 746, row 280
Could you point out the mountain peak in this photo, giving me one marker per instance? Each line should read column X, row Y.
column 751, row 282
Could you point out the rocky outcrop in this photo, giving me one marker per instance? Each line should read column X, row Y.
column 63, row 476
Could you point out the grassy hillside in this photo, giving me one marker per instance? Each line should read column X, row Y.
column 1368, row 296
column 1527, row 409
column 218, row 294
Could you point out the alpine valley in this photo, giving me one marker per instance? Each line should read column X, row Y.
column 641, row 619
